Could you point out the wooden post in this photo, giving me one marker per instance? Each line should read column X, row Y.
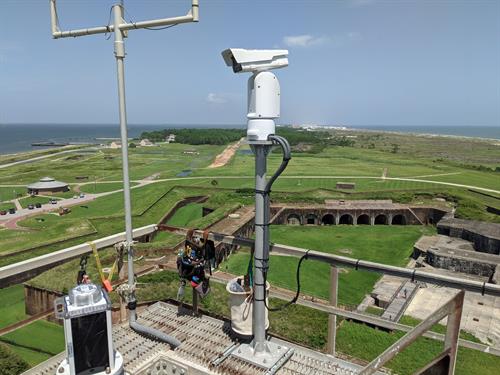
column 332, row 319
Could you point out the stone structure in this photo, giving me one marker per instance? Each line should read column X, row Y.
column 485, row 236
column 455, row 255
column 361, row 212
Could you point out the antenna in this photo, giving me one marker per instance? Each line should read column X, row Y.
column 120, row 29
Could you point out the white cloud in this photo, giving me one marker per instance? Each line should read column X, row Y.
column 305, row 40
column 308, row 40
column 214, row 98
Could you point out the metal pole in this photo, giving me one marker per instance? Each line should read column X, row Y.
column 120, row 56
column 332, row 318
column 261, row 250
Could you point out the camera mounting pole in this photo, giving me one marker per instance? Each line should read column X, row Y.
column 120, row 29
column 263, row 109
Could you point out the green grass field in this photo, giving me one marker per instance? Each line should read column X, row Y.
column 33, row 343
column 36, row 342
column 186, row 214
column 11, row 305
column 385, row 244
column 103, row 187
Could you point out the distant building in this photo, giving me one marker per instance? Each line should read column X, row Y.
column 191, row 152
column 115, row 144
column 146, row 143
column 170, row 138
column 47, row 185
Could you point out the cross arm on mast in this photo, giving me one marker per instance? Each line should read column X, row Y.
column 191, row 16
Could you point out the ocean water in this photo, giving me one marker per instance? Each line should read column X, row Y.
column 18, row 137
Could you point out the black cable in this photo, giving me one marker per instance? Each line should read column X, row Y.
column 286, row 158
column 287, row 155
column 294, row 299
column 148, row 28
column 160, row 28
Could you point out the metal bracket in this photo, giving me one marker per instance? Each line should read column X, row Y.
column 271, row 359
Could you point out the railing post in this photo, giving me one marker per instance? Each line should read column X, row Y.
column 453, row 331
column 332, row 318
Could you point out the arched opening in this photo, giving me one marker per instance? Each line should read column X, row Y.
column 328, row 219
column 363, row 219
column 398, row 220
column 346, row 219
column 380, row 220
column 293, row 219
column 311, row 219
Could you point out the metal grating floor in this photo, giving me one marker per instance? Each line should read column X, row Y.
column 203, row 340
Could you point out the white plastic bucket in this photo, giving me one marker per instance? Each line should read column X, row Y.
column 241, row 305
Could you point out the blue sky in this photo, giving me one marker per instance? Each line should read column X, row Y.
column 357, row 62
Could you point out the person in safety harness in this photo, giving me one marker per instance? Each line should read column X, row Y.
column 191, row 264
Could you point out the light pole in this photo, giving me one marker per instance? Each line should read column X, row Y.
column 120, row 29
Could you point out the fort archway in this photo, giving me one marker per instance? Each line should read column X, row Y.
column 328, row 219
column 363, row 219
column 398, row 220
column 380, row 220
column 311, row 219
column 293, row 219
column 346, row 219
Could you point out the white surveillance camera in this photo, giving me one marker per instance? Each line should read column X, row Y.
column 255, row 60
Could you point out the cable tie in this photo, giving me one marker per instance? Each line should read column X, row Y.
column 357, row 263
column 483, row 289
column 413, row 276
column 262, row 225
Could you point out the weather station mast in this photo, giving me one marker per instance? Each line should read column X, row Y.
column 263, row 108
column 87, row 305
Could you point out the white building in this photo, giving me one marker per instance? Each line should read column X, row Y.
column 146, row 143
column 170, row 138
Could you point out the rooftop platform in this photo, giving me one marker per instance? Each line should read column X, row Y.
column 204, row 340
